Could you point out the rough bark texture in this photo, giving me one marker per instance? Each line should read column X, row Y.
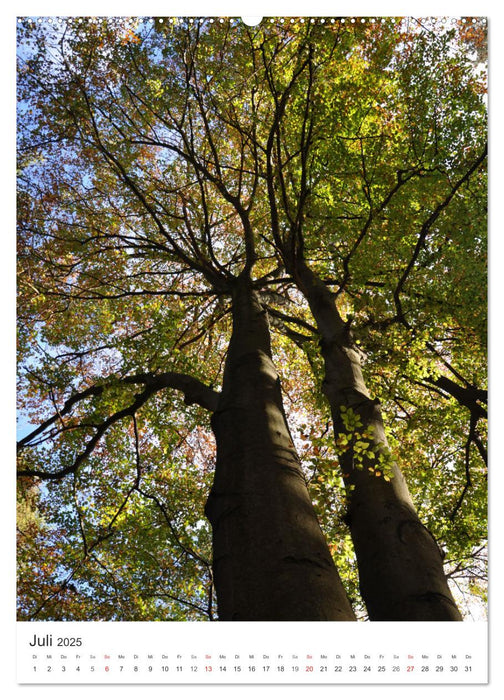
column 400, row 564
column 271, row 561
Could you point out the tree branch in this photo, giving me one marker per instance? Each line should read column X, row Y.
column 427, row 227
column 468, row 481
column 195, row 392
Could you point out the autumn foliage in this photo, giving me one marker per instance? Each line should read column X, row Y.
column 159, row 161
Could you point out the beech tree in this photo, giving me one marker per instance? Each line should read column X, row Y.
column 252, row 296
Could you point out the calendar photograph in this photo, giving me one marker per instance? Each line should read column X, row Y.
column 252, row 344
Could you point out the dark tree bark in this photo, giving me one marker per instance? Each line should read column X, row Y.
column 400, row 564
column 270, row 557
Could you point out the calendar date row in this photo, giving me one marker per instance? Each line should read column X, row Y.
column 255, row 669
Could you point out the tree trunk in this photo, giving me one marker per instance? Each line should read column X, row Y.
column 270, row 558
column 400, row 564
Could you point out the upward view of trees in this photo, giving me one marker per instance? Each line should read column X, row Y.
column 252, row 319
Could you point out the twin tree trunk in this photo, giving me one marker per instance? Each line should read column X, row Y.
column 270, row 557
column 400, row 565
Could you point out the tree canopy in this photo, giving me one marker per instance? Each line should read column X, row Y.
column 158, row 161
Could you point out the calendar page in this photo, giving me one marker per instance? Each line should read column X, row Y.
column 252, row 347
